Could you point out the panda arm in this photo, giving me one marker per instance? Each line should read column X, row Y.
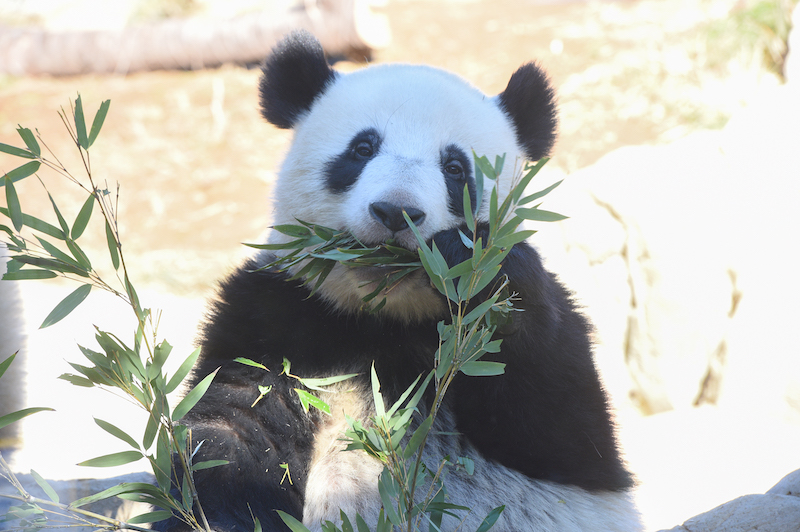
column 547, row 416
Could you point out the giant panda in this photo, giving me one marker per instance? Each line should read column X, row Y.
column 366, row 146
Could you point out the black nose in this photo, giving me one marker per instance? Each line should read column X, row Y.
column 391, row 215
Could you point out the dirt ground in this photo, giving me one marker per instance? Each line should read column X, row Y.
column 195, row 162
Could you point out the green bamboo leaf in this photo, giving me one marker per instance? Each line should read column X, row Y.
column 50, row 264
column 16, row 152
column 479, row 311
column 21, row 172
column 79, row 255
column 491, row 519
column 539, row 215
column 113, row 491
column 112, row 460
column 182, row 371
column 12, row 200
column 530, row 172
column 67, row 305
column 248, row 362
column 162, row 465
column 208, row 464
column 540, row 194
column 318, row 384
column 416, row 439
column 513, row 239
column 361, row 524
column 58, row 255
column 293, row 524
column 77, row 380
column 19, row 414
column 468, row 212
column 6, row 363
column 346, row 525
column 83, row 217
column 150, row 517
column 48, row 490
column 111, row 240
column 388, row 492
column 297, row 231
column 486, row 167
column 97, row 123
column 80, row 124
column 482, row 368
column 29, row 140
column 191, row 399
column 37, row 224
column 307, row 400
column 116, row 432
column 380, row 408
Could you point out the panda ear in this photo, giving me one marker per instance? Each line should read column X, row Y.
column 292, row 77
column 529, row 100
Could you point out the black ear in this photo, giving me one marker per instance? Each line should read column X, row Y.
column 531, row 103
column 293, row 75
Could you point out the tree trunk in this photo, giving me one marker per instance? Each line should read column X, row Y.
column 345, row 27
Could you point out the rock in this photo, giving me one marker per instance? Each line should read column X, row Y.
column 788, row 485
column 772, row 512
column 74, row 489
column 683, row 258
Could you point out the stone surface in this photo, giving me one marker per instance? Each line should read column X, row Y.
column 771, row 512
column 74, row 489
column 12, row 340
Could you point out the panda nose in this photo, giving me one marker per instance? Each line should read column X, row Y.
column 391, row 215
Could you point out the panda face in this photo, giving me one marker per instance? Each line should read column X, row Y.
column 376, row 142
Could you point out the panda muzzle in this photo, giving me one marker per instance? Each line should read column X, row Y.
column 391, row 215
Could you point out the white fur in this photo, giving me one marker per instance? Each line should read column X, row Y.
column 418, row 111
column 348, row 480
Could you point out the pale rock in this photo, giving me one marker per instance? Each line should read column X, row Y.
column 775, row 511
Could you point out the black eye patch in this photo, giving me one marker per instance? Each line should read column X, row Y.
column 343, row 170
column 457, row 172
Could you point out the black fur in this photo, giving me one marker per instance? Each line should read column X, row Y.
column 342, row 171
column 294, row 74
column 531, row 103
column 547, row 416
column 453, row 156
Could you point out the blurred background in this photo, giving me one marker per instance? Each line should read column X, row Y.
column 679, row 128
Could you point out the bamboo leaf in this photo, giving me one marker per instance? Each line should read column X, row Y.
column 307, row 400
column 37, row 224
column 191, row 399
column 116, row 432
column 29, row 140
column 97, row 123
column 76, row 380
column 540, row 194
column 80, row 124
column 416, row 439
column 48, row 490
column 293, row 524
column 67, row 305
column 208, row 464
column 468, row 212
column 21, row 172
column 83, row 217
column 491, row 519
column 112, row 246
column 317, row 384
column 182, row 371
column 19, row 414
column 6, row 363
column 539, row 215
column 380, row 408
column 482, row 368
column 125, row 487
column 112, row 460
column 17, row 152
column 150, row 517
column 12, row 200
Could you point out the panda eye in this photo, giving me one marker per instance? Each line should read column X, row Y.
column 363, row 150
column 454, row 169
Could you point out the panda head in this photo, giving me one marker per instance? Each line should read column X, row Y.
column 372, row 143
